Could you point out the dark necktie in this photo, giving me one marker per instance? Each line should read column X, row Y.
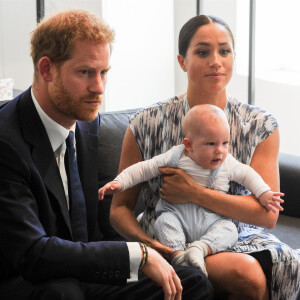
column 76, row 196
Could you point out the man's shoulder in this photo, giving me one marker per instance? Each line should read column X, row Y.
column 10, row 114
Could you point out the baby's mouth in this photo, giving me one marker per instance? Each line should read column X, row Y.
column 216, row 160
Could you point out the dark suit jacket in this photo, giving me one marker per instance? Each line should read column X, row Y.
column 35, row 231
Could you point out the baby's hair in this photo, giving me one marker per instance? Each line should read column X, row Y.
column 200, row 115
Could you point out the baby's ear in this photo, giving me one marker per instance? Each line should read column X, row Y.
column 188, row 144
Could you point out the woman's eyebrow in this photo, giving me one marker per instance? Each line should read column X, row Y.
column 208, row 44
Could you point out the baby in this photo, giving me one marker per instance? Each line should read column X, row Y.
column 191, row 231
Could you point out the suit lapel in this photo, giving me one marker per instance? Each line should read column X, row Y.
column 42, row 154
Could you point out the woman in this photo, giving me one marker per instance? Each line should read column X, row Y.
column 206, row 53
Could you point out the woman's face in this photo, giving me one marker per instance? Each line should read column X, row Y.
column 209, row 58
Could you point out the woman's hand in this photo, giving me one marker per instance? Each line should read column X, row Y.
column 177, row 186
column 163, row 250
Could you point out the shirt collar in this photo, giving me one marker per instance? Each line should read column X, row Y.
column 57, row 134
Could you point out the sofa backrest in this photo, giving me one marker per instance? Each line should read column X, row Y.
column 112, row 129
column 289, row 168
column 113, row 126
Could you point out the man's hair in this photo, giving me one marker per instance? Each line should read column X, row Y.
column 56, row 35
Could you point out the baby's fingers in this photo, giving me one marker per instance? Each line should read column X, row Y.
column 275, row 205
column 101, row 193
column 278, row 194
column 277, row 199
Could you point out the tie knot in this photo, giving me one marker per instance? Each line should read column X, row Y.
column 70, row 139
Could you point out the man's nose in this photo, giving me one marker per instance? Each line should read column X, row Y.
column 97, row 85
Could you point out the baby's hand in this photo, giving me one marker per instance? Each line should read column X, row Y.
column 109, row 188
column 271, row 200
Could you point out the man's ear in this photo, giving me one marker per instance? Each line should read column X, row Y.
column 181, row 61
column 45, row 68
column 188, row 144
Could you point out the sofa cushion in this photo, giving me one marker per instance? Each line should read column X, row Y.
column 112, row 129
column 289, row 168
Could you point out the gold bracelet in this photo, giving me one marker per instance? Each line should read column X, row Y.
column 145, row 255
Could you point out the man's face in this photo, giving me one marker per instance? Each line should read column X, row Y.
column 78, row 84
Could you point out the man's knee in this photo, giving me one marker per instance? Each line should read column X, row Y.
column 63, row 289
column 195, row 284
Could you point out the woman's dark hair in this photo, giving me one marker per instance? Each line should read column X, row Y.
column 190, row 27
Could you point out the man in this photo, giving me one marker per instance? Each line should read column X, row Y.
column 50, row 240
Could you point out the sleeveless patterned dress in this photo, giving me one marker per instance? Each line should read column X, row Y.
column 158, row 128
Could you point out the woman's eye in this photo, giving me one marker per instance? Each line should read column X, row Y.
column 202, row 52
column 224, row 51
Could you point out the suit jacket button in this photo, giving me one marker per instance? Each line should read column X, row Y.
column 104, row 275
column 117, row 274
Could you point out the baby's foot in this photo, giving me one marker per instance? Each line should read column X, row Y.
column 178, row 260
column 194, row 255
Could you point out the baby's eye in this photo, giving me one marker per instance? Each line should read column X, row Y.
column 225, row 143
column 211, row 143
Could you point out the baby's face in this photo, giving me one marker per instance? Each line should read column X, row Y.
column 211, row 147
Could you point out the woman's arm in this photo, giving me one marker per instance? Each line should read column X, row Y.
column 124, row 203
column 180, row 187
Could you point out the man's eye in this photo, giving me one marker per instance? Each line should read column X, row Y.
column 84, row 72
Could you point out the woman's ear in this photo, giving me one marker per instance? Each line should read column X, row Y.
column 188, row 144
column 181, row 61
column 45, row 68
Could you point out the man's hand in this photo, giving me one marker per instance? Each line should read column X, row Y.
column 109, row 188
column 271, row 200
column 162, row 273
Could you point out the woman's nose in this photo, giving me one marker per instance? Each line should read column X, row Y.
column 215, row 61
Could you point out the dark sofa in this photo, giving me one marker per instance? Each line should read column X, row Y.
column 112, row 129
